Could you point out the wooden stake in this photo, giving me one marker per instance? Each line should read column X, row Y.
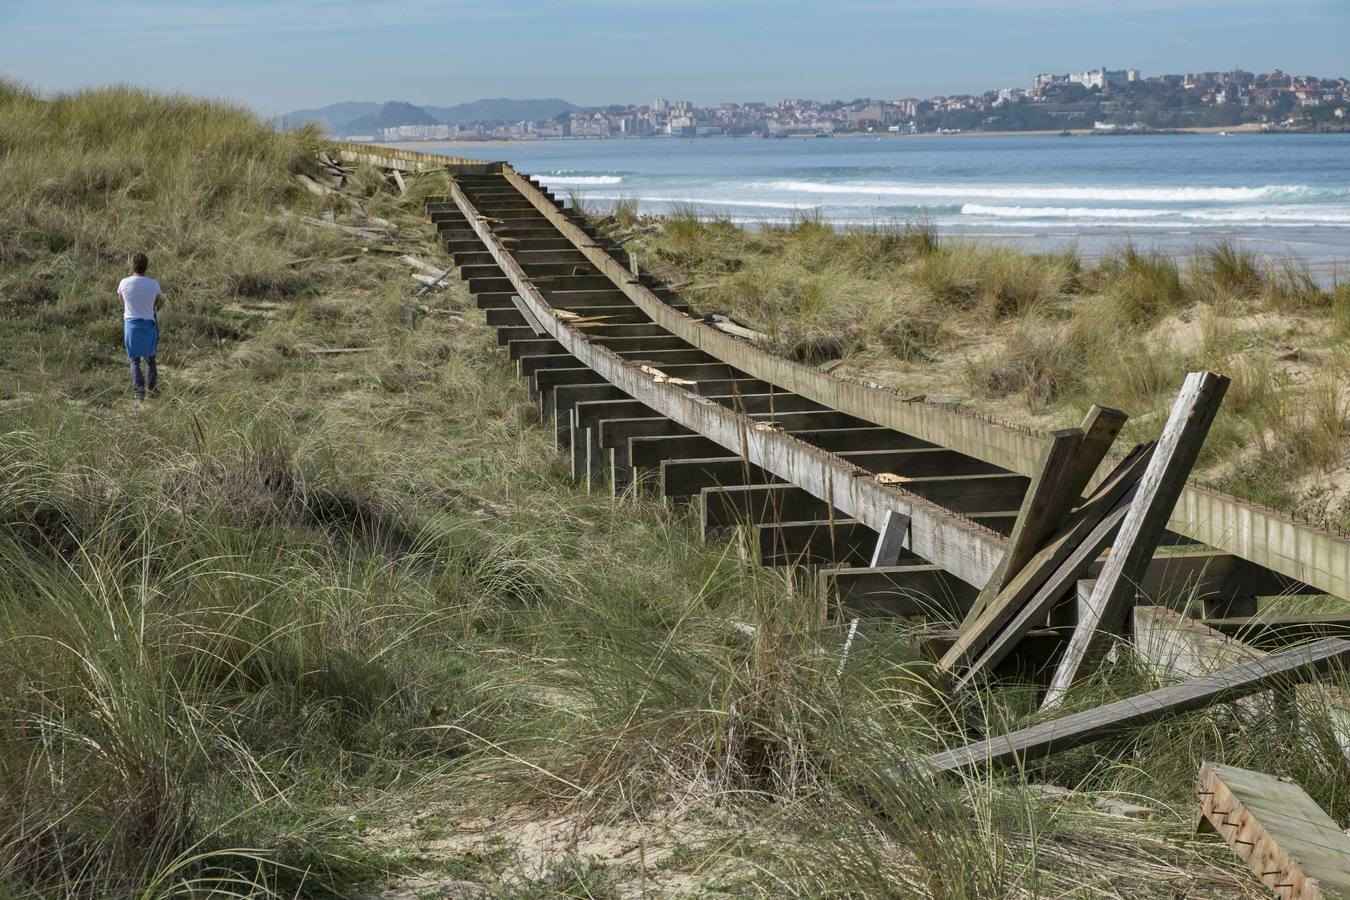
column 1182, row 438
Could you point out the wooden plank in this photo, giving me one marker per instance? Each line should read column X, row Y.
column 1286, row 667
column 979, row 629
column 1038, row 608
column 1144, row 524
column 1176, row 645
column 1044, row 507
column 1283, row 836
column 1070, row 460
column 528, row 314
column 891, row 540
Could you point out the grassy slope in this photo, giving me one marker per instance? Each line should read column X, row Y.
column 1036, row 339
column 313, row 625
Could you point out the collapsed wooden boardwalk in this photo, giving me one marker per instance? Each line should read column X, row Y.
column 644, row 394
column 1040, row 549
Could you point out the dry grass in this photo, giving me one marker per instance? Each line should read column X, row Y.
column 247, row 627
column 1039, row 338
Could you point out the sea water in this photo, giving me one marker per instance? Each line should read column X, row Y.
column 1278, row 194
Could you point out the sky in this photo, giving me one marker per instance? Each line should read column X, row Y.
column 287, row 54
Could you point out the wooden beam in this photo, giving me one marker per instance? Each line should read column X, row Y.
column 905, row 590
column 891, row 540
column 527, row 314
column 1044, row 507
column 1267, row 631
column 1144, row 524
column 981, row 629
column 1283, row 836
column 1073, row 730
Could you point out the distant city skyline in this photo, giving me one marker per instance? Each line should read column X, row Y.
column 286, row 54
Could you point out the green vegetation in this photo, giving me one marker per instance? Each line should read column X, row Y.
column 322, row 625
column 1037, row 338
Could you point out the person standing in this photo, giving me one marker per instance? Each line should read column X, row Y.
column 141, row 298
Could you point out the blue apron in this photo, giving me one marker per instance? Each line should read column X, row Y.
column 142, row 337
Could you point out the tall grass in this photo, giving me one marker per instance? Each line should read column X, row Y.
column 249, row 632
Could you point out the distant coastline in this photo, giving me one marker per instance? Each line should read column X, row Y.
column 459, row 144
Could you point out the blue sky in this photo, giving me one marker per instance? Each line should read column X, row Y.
column 284, row 54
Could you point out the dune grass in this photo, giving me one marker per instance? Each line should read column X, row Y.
column 1037, row 338
column 317, row 626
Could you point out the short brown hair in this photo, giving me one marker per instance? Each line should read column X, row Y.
column 139, row 263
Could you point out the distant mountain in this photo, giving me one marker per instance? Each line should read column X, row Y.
column 501, row 109
column 333, row 117
column 389, row 115
column 365, row 117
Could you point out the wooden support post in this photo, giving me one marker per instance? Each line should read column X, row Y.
column 1084, row 727
column 1145, row 522
column 1283, row 836
column 891, row 540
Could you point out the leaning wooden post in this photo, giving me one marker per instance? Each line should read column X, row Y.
column 1144, row 524
column 1067, row 465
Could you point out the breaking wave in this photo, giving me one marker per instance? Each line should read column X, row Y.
column 581, row 179
column 1251, row 215
column 1055, row 192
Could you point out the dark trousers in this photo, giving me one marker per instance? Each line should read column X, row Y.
column 150, row 380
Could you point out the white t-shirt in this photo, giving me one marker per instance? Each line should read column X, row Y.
column 138, row 294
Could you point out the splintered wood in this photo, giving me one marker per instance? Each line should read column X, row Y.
column 1283, row 836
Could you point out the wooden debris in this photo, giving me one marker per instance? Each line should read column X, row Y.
column 1084, row 727
column 420, row 264
column 1124, row 810
column 889, row 478
column 430, row 281
column 1069, row 462
column 576, row 320
column 1283, row 836
column 398, row 179
column 313, row 186
column 1049, row 574
column 662, row 378
column 362, row 233
column 725, row 323
column 1145, row 522
column 1171, row 643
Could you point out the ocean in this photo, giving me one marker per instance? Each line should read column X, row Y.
column 1277, row 194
